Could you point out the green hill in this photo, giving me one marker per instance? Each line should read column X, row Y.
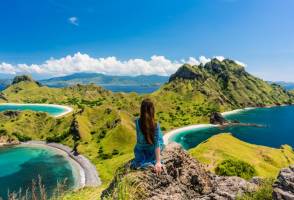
column 267, row 161
column 106, row 133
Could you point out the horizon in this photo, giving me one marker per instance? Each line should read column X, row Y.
column 145, row 38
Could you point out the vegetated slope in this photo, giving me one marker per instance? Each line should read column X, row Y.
column 193, row 92
column 103, row 121
column 267, row 161
column 102, row 79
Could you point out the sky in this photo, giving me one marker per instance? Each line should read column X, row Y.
column 130, row 37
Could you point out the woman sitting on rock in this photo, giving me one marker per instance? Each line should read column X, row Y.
column 149, row 139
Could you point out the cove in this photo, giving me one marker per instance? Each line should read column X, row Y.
column 278, row 128
column 19, row 165
column 51, row 109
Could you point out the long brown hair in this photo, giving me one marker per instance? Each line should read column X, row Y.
column 147, row 121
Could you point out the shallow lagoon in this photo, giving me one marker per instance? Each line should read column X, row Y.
column 54, row 110
column 278, row 128
column 19, row 165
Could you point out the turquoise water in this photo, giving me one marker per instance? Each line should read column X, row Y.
column 278, row 128
column 51, row 110
column 19, row 165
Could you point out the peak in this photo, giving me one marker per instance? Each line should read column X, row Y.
column 23, row 78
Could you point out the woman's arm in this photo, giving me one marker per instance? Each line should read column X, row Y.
column 158, row 165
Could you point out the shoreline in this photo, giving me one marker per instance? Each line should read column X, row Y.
column 176, row 131
column 84, row 172
column 66, row 111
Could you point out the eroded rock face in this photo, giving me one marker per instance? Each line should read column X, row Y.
column 11, row 113
column 283, row 188
column 183, row 178
column 217, row 118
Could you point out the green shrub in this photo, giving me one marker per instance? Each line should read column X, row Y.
column 264, row 192
column 3, row 132
column 21, row 137
column 238, row 168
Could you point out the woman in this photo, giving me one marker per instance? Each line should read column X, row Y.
column 149, row 139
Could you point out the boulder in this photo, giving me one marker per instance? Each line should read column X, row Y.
column 18, row 79
column 183, row 178
column 11, row 113
column 217, row 118
column 283, row 188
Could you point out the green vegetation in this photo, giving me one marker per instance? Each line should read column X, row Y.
column 266, row 161
column 238, row 168
column 264, row 192
column 104, row 130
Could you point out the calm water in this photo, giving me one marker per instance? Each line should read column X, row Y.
column 278, row 130
column 51, row 110
column 19, row 165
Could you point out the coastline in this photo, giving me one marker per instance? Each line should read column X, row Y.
column 66, row 111
column 171, row 133
column 174, row 132
column 84, row 171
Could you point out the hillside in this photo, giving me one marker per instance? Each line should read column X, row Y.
column 267, row 161
column 102, row 79
column 105, row 131
column 193, row 92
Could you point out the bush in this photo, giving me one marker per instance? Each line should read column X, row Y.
column 3, row 132
column 238, row 168
column 21, row 137
column 264, row 192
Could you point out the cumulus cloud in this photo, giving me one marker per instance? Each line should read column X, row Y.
column 220, row 58
column 79, row 62
column 240, row 63
column 7, row 68
column 74, row 21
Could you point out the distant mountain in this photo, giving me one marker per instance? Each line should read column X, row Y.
column 105, row 80
column 286, row 85
column 4, row 83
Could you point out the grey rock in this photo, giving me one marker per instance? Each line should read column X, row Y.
column 217, row 118
column 283, row 188
column 183, row 178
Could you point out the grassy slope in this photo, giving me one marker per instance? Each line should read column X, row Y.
column 178, row 103
column 267, row 161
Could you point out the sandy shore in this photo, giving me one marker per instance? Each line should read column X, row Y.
column 84, row 171
column 67, row 109
column 174, row 132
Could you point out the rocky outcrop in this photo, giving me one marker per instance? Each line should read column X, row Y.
column 283, row 188
column 11, row 113
column 21, row 78
column 2, row 96
column 217, row 118
column 183, row 178
column 187, row 72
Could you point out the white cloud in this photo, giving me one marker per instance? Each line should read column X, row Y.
column 240, row 63
column 74, row 21
column 7, row 68
column 220, row 58
column 79, row 62
column 203, row 60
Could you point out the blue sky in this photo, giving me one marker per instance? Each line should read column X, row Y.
column 256, row 32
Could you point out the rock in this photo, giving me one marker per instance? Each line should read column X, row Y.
column 11, row 113
column 183, row 178
column 283, row 188
column 2, row 96
column 21, row 78
column 217, row 118
column 187, row 72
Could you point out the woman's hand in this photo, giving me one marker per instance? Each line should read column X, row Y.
column 158, row 168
